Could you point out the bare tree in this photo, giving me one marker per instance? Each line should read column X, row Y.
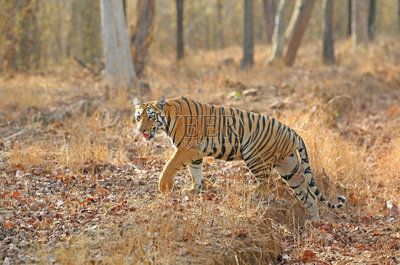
column 371, row 19
column 360, row 22
column 119, row 65
column 328, row 52
column 8, row 41
column 84, row 33
column 269, row 7
column 248, row 36
column 297, row 26
column 278, row 36
column 142, row 36
column 124, row 7
column 220, row 33
column 28, row 35
column 349, row 19
column 180, row 50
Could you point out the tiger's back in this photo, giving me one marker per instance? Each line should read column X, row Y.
column 227, row 133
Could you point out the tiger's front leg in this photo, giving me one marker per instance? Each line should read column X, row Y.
column 197, row 178
column 179, row 159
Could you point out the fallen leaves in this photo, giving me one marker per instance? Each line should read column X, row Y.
column 8, row 224
column 16, row 195
column 394, row 210
column 308, row 256
column 101, row 191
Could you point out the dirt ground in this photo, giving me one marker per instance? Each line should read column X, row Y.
column 78, row 185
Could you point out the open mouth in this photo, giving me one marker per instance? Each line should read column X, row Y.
column 148, row 136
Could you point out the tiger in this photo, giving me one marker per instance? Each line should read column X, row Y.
column 199, row 130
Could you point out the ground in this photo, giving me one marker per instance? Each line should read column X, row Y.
column 78, row 185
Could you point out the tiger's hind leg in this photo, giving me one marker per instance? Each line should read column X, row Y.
column 291, row 171
column 261, row 171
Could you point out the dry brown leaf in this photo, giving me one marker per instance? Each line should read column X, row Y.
column 102, row 191
column 138, row 160
column 395, row 211
column 16, row 195
column 8, row 225
column 308, row 256
column 352, row 198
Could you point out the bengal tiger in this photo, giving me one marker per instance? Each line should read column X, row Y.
column 198, row 130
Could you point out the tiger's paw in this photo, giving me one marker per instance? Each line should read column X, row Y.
column 191, row 191
column 165, row 186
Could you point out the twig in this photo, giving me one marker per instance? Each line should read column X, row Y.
column 14, row 135
column 84, row 65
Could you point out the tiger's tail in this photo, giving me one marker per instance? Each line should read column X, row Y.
column 310, row 178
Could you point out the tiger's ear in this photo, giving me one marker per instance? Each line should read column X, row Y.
column 136, row 102
column 161, row 102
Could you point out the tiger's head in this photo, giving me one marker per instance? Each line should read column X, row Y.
column 149, row 117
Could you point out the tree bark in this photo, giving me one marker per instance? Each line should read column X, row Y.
column 28, row 35
column 124, row 7
column 118, row 60
column 180, row 49
column 328, row 51
column 220, row 33
column 8, row 51
column 278, row 36
column 360, row 22
column 371, row 19
column 269, row 7
column 84, row 34
column 248, row 36
column 297, row 27
column 143, row 34
column 349, row 17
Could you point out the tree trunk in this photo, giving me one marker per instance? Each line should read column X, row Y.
column 84, row 34
column 297, row 27
column 248, row 36
column 360, row 22
column 220, row 33
column 143, row 34
column 371, row 19
column 8, row 51
column 278, row 36
column 349, row 19
column 28, row 35
column 180, row 50
column 269, row 18
column 328, row 52
column 124, row 7
column 118, row 60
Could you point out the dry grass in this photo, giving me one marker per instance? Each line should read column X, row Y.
column 346, row 114
column 170, row 232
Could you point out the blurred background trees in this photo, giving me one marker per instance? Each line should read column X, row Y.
column 38, row 34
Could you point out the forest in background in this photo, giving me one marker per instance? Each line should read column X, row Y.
column 39, row 34
column 78, row 185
